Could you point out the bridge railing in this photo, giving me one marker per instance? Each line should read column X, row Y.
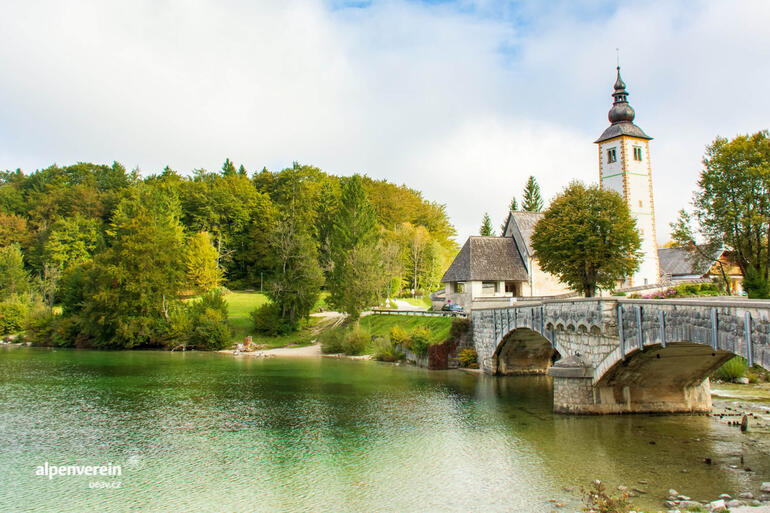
column 419, row 313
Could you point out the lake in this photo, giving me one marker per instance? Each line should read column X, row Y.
column 209, row 432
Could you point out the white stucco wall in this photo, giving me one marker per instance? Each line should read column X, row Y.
column 631, row 179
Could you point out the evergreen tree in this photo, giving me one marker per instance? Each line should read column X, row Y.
column 242, row 171
column 355, row 277
column 135, row 283
column 513, row 207
column 228, row 168
column 486, row 226
column 532, row 202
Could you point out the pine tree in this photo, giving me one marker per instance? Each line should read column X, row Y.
column 486, row 226
column 532, row 201
column 355, row 277
column 513, row 207
column 228, row 168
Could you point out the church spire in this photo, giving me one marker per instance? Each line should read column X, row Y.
column 621, row 111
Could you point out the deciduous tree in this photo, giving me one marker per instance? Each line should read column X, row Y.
column 732, row 203
column 588, row 239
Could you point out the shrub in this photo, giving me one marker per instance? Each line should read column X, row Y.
column 208, row 328
column 356, row 340
column 597, row 500
column 267, row 320
column 12, row 316
column 618, row 293
column 735, row 367
column 468, row 358
column 397, row 335
column 419, row 340
column 459, row 327
column 385, row 351
column 332, row 341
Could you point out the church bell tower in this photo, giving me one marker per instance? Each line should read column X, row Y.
column 624, row 166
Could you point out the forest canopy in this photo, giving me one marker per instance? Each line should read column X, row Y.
column 119, row 250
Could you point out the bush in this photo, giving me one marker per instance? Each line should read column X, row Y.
column 208, row 328
column 267, row 320
column 735, row 367
column 332, row 341
column 12, row 316
column 468, row 358
column 618, row 293
column 459, row 327
column 419, row 340
column 356, row 340
column 397, row 335
column 385, row 351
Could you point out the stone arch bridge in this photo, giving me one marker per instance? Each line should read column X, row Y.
column 622, row 355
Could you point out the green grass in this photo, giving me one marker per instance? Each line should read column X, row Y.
column 380, row 325
column 241, row 304
column 422, row 302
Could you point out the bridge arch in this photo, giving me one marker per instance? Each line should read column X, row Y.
column 673, row 378
column 523, row 351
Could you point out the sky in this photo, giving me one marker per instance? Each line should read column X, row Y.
column 460, row 99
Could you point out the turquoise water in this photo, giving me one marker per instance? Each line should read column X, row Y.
column 210, row 432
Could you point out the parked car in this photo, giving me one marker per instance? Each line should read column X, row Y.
column 453, row 308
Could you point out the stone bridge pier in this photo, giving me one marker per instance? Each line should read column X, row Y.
column 623, row 356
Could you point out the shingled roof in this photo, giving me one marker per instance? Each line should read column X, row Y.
column 487, row 259
column 678, row 262
column 526, row 221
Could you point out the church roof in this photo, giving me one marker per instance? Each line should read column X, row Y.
column 526, row 221
column 487, row 259
column 622, row 128
column 621, row 115
column 678, row 262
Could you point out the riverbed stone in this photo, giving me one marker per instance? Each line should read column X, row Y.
column 717, row 506
column 672, row 492
column 765, row 487
column 746, row 495
column 689, row 504
column 733, row 503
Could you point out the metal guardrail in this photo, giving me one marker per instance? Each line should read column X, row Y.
column 420, row 313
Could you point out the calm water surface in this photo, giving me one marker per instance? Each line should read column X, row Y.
column 208, row 432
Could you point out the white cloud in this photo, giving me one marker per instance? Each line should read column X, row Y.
column 463, row 102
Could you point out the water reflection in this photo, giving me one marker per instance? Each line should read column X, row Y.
column 204, row 432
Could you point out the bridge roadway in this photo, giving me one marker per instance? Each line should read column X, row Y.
column 611, row 355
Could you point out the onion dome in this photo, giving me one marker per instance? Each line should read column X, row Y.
column 621, row 115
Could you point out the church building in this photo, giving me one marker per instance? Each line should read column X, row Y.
column 490, row 271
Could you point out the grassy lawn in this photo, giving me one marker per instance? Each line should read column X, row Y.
column 380, row 325
column 422, row 302
column 241, row 304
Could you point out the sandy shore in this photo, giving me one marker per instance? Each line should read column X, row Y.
column 313, row 351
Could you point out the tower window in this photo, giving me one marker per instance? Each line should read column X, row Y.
column 638, row 153
column 640, row 204
column 611, row 156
